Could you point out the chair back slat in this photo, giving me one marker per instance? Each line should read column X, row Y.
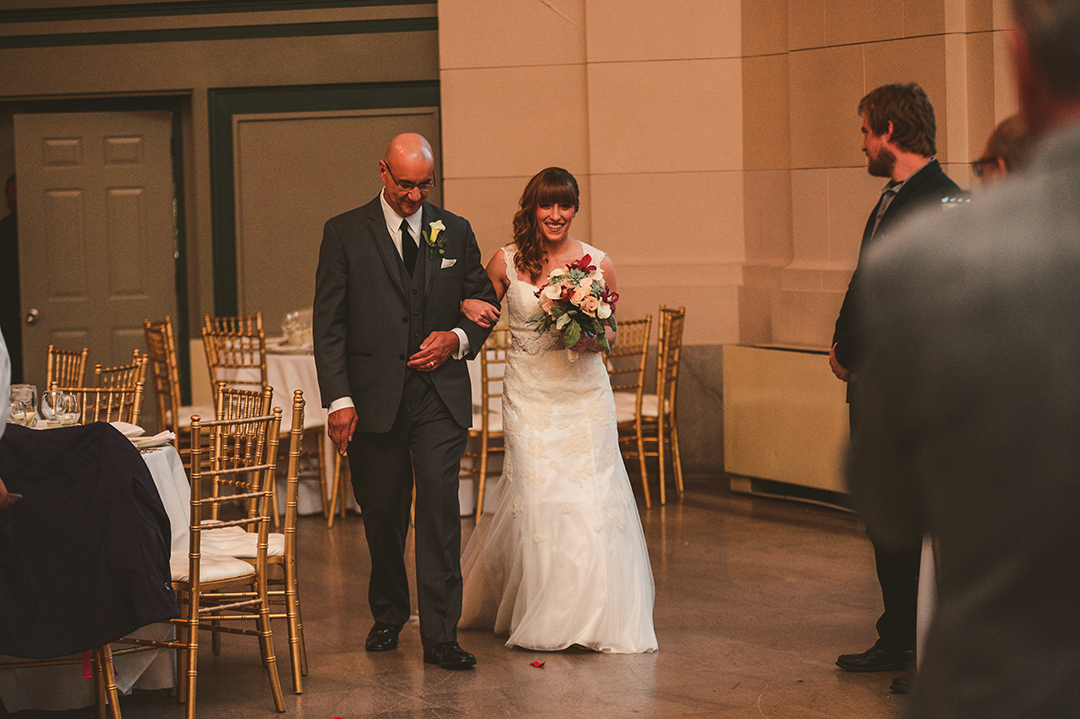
column 236, row 358
column 65, row 368
column 108, row 404
column 626, row 361
column 669, row 350
column 126, row 376
column 164, row 372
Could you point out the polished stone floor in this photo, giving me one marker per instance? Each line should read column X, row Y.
column 755, row 598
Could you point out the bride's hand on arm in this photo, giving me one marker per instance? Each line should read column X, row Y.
column 483, row 313
column 480, row 312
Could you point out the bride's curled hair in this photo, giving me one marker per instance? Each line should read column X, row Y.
column 553, row 186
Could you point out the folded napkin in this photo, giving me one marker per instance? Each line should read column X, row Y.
column 129, row 430
column 158, row 440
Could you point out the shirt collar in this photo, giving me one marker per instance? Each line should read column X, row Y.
column 393, row 219
column 893, row 187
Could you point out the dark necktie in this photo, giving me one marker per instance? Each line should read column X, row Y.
column 408, row 247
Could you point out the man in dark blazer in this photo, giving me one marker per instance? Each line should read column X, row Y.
column 899, row 132
column 389, row 348
column 971, row 408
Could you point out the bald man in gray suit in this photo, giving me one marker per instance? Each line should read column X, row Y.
column 390, row 341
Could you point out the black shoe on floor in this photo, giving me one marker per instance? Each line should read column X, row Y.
column 382, row 638
column 902, row 684
column 874, row 660
column 449, row 655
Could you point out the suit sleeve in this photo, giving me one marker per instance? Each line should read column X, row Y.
column 478, row 287
column 330, row 317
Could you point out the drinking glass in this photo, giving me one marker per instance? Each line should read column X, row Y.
column 49, row 402
column 26, row 393
column 22, row 412
column 68, row 410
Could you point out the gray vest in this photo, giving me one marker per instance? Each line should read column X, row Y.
column 415, row 289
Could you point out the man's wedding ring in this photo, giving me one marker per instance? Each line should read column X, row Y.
column 431, row 363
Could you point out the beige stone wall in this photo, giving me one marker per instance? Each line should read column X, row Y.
column 716, row 141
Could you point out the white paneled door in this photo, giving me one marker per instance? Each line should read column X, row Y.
column 97, row 245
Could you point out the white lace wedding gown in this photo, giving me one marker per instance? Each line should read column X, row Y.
column 563, row 559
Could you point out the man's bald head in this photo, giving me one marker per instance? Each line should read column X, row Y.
column 407, row 172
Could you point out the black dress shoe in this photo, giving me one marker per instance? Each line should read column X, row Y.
column 874, row 660
column 449, row 655
column 382, row 638
column 902, row 684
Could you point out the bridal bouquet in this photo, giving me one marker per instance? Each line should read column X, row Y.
column 575, row 300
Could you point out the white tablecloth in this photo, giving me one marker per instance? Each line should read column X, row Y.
column 63, row 687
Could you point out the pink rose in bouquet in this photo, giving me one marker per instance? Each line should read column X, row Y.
column 576, row 300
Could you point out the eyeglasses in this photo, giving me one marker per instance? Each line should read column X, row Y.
column 979, row 166
column 424, row 186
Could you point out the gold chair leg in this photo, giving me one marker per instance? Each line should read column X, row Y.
column 266, row 642
column 292, row 614
column 192, row 659
column 641, row 462
column 320, row 442
column 676, row 459
column 107, row 682
column 215, row 637
column 660, row 454
column 481, row 480
column 334, row 491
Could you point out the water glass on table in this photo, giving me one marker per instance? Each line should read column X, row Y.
column 68, row 411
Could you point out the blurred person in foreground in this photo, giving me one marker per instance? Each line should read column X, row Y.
column 5, row 407
column 970, row 398
column 899, row 139
column 1006, row 151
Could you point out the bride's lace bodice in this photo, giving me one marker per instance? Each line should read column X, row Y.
column 522, row 304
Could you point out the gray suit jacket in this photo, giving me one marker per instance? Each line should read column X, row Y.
column 361, row 342
column 971, row 433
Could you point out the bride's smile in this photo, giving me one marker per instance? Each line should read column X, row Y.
column 555, row 220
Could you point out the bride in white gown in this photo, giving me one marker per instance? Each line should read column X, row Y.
column 562, row 561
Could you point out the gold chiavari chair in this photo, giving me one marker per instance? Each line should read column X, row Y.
column 283, row 589
column 626, row 369
column 65, row 368
column 487, row 418
column 122, row 375
column 660, row 425
column 243, row 454
column 244, row 324
column 108, row 404
column 164, row 370
column 236, row 354
column 236, row 358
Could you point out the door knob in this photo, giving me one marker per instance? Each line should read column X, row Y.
column 31, row 317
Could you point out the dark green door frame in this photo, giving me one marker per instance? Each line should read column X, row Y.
column 224, row 103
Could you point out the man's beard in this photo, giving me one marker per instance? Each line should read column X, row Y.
column 883, row 164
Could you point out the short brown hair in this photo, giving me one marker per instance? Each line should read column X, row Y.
column 908, row 108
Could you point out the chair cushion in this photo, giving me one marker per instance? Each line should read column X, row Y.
column 212, row 567
column 624, row 406
column 235, row 542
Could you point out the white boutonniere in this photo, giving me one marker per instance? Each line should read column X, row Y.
column 433, row 238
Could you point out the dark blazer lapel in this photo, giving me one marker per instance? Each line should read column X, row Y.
column 385, row 245
column 433, row 263
column 926, row 171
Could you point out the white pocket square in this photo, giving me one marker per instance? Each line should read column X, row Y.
column 448, row 263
